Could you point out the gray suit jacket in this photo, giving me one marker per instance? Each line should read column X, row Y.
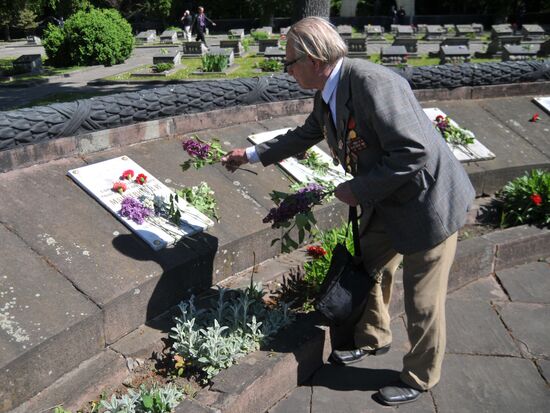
column 407, row 173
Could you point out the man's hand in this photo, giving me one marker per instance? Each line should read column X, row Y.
column 344, row 194
column 234, row 159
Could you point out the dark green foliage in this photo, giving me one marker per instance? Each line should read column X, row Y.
column 162, row 67
column 526, row 200
column 215, row 63
column 270, row 65
column 97, row 36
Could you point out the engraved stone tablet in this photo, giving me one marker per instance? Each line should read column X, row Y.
column 236, row 34
column 149, row 36
column 265, row 43
column 357, row 46
column 298, row 171
column 473, row 152
column 169, row 36
column 543, row 102
column 158, row 232
column 234, row 44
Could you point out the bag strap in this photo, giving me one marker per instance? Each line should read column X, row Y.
column 353, row 220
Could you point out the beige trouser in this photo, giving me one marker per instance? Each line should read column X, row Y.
column 425, row 276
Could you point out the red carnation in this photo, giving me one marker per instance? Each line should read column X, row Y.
column 128, row 174
column 537, row 199
column 534, row 118
column 119, row 187
column 316, row 251
column 141, row 179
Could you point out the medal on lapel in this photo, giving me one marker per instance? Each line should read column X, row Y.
column 354, row 145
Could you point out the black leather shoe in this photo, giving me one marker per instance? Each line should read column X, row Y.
column 353, row 356
column 398, row 393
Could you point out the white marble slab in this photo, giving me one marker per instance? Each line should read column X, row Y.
column 468, row 153
column 301, row 173
column 98, row 179
column 543, row 102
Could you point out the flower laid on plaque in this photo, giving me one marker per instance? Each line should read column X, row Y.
column 462, row 142
column 313, row 166
column 140, row 201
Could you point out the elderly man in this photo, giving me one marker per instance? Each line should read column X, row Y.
column 413, row 193
column 199, row 24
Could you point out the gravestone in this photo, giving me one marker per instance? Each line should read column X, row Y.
column 464, row 30
column 516, row 52
column 373, row 32
column 393, row 29
column 284, row 30
column 216, row 51
column 149, row 36
column 394, row 55
column 236, row 45
column 456, row 41
column 344, row 30
column 404, row 31
column 454, row 55
column 28, row 63
column 357, row 47
column 478, row 27
column 236, row 34
column 169, row 36
column 533, row 32
column 33, row 41
column 193, row 49
column 434, row 32
column 496, row 45
column 422, row 28
column 498, row 30
column 544, row 50
column 265, row 29
column 410, row 44
column 265, row 43
column 450, row 28
column 275, row 53
column 173, row 57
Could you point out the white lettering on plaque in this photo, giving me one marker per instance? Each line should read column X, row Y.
column 300, row 172
column 155, row 229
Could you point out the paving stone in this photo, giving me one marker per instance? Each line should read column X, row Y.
column 529, row 325
column 38, row 307
column 485, row 289
column 298, row 401
column 490, row 384
column 527, row 283
column 474, row 327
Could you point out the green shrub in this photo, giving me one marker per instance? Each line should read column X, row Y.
column 173, row 28
column 525, row 200
column 96, row 36
column 259, row 35
column 162, row 67
column 270, row 65
column 246, row 44
column 214, row 63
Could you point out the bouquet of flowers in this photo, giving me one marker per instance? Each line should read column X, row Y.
column 202, row 198
column 202, row 153
column 295, row 210
column 451, row 133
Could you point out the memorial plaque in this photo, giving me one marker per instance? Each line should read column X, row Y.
column 33, row 41
column 513, row 52
column 357, row 47
column 265, row 43
column 478, row 27
column 498, row 30
column 149, row 36
column 465, row 30
column 410, row 44
column 193, row 49
column 456, row 41
column 394, row 55
column 496, row 46
column 173, row 57
column 236, row 34
column 169, row 36
column 450, row 28
column 533, row 32
column 300, row 172
column 454, row 54
column 434, row 32
column 404, row 31
column 543, row 102
column 284, row 30
column 344, row 30
column 422, row 28
column 373, row 32
column 274, row 53
column 158, row 232
column 473, row 152
column 236, row 45
column 28, row 63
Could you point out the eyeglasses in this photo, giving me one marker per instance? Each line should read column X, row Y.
column 288, row 64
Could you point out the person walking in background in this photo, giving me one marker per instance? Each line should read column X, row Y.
column 199, row 24
column 413, row 192
column 187, row 21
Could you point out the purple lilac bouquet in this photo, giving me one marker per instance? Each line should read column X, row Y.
column 453, row 134
column 201, row 153
column 133, row 209
column 295, row 210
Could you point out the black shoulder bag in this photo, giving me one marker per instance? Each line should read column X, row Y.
column 346, row 283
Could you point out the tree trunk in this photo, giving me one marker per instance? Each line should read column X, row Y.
column 307, row 8
column 348, row 8
column 7, row 36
